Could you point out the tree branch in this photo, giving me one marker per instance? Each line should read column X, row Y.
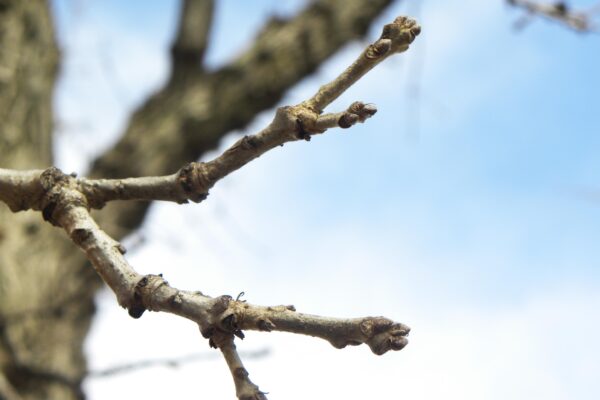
column 559, row 11
column 65, row 201
column 396, row 38
column 290, row 124
column 22, row 190
column 244, row 388
column 219, row 318
column 182, row 122
column 187, row 51
column 164, row 362
column 193, row 181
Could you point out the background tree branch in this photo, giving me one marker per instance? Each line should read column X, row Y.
column 189, row 46
column 172, row 362
column 560, row 11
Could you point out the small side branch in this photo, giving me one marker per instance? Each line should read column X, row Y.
column 395, row 38
column 220, row 318
column 379, row 333
column 299, row 122
column 65, row 206
column 174, row 362
column 244, row 388
column 559, row 11
column 193, row 181
column 22, row 190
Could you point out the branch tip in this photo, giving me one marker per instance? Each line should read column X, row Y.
column 384, row 335
column 402, row 32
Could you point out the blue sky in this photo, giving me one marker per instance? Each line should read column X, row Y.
column 470, row 214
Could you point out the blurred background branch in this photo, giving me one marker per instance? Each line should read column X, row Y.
column 561, row 12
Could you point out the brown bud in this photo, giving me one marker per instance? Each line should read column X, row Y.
column 347, row 120
column 379, row 48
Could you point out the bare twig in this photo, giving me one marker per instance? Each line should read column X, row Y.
column 65, row 201
column 396, row 38
column 559, row 11
column 244, row 388
column 290, row 124
column 173, row 362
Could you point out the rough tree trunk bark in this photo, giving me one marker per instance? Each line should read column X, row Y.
column 42, row 328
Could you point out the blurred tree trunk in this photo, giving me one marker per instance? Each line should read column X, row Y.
column 41, row 328
column 46, row 287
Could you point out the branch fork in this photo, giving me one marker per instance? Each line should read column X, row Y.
column 65, row 201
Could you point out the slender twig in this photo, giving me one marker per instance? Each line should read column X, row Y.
column 299, row 122
column 194, row 180
column 245, row 389
column 173, row 362
column 396, row 38
column 559, row 11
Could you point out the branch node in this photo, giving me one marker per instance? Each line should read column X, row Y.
column 378, row 49
column 301, row 132
column 48, row 211
column 265, row 325
column 144, row 289
column 207, row 331
column 250, row 142
column 121, row 248
column 347, row 120
column 194, row 181
column 383, row 334
column 221, row 304
column 61, row 192
column 176, row 301
column 219, row 339
column 135, row 311
column 80, row 236
column 228, row 323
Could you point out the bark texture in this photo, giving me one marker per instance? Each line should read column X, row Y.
column 46, row 286
column 41, row 327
